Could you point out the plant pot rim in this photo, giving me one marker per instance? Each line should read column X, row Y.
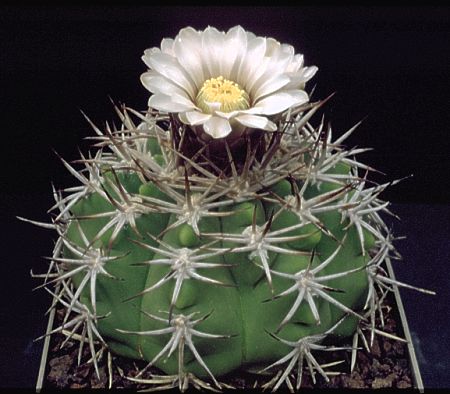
column 414, row 365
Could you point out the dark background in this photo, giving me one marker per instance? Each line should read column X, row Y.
column 388, row 64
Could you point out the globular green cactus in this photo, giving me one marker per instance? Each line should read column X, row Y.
column 204, row 250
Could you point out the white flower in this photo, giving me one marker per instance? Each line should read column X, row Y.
column 222, row 82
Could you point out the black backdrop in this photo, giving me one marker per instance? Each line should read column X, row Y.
column 387, row 64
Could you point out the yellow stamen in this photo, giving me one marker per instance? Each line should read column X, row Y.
column 220, row 90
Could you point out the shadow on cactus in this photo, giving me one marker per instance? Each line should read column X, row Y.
column 220, row 229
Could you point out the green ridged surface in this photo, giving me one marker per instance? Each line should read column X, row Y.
column 244, row 310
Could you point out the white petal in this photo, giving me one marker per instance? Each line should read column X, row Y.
column 148, row 53
column 241, row 41
column 213, row 106
column 296, row 64
column 299, row 78
column 270, row 86
column 281, row 101
column 270, row 72
column 256, row 122
column 272, row 46
column 252, row 111
column 256, row 48
column 167, row 46
column 194, row 118
column 288, row 49
column 169, row 67
column 182, row 99
column 156, row 83
column 188, row 49
column 276, row 64
column 217, row 127
column 250, row 35
column 173, row 103
column 234, row 48
column 227, row 115
column 309, row 72
column 232, row 114
column 256, row 74
column 212, row 42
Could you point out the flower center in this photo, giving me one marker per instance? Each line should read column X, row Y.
column 227, row 93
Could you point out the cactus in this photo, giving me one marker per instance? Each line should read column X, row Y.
column 204, row 249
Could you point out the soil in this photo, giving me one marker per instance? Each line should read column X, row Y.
column 386, row 366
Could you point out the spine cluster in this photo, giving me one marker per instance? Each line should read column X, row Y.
column 287, row 221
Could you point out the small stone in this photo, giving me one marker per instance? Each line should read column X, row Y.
column 353, row 381
column 364, row 369
column 380, row 383
column 62, row 362
column 387, row 346
column 375, row 349
column 82, row 372
column 362, row 357
column 390, row 326
column 385, row 368
column 78, row 386
column 307, row 382
column 390, row 362
column 97, row 383
column 399, row 348
column 60, row 367
column 403, row 363
column 403, row 384
column 335, row 381
column 407, row 377
column 376, row 367
column 392, row 377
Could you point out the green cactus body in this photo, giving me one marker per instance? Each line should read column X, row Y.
column 243, row 308
column 204, row 266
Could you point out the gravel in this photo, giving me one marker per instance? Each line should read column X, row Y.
column 386, row 366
